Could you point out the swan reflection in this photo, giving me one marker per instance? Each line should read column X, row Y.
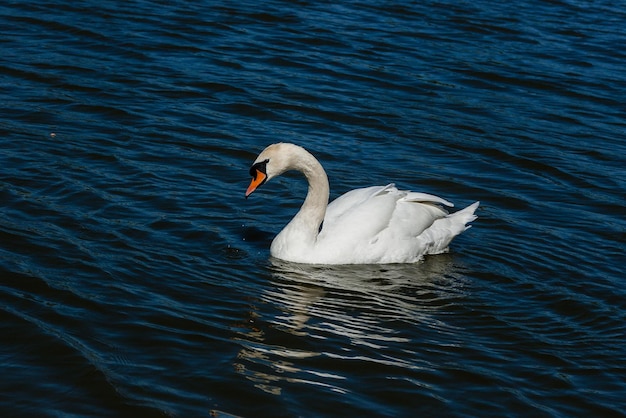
column 311, row 317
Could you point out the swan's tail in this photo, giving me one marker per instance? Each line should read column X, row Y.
column 465, row 216
column 442, row 231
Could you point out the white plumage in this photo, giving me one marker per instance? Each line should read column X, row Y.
column 379, row 224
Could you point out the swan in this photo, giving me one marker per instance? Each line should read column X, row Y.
column 372, row 225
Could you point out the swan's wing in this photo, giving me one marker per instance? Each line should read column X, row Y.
column 361, row 215
column 357, row 198
column 384, row 224
column 426, row 198
column 353, row 199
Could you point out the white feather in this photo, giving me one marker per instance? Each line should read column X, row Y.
column 379, row 224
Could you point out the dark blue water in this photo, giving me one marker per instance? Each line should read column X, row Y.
column 135, row 279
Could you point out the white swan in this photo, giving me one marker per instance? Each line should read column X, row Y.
column 379, row 224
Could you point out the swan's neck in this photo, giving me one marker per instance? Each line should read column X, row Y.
column 305, row 226
column 312, row 212
column 313, row 209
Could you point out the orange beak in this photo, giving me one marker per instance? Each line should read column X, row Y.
column 256, row 182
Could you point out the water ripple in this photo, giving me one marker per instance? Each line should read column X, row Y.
column 135, row 277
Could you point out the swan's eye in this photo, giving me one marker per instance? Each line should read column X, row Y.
column 260, row 166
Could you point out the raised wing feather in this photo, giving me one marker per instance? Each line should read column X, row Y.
column 368, row 215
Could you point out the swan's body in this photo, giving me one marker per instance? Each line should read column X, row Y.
column 379, row 224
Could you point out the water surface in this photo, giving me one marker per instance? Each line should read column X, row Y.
column 135, row 279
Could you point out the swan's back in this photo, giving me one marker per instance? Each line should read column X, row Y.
column 378, row 224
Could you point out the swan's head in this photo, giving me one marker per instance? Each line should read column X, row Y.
column 258, row 171
column 274, row 161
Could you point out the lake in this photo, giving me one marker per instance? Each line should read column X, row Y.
column 136, row 280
